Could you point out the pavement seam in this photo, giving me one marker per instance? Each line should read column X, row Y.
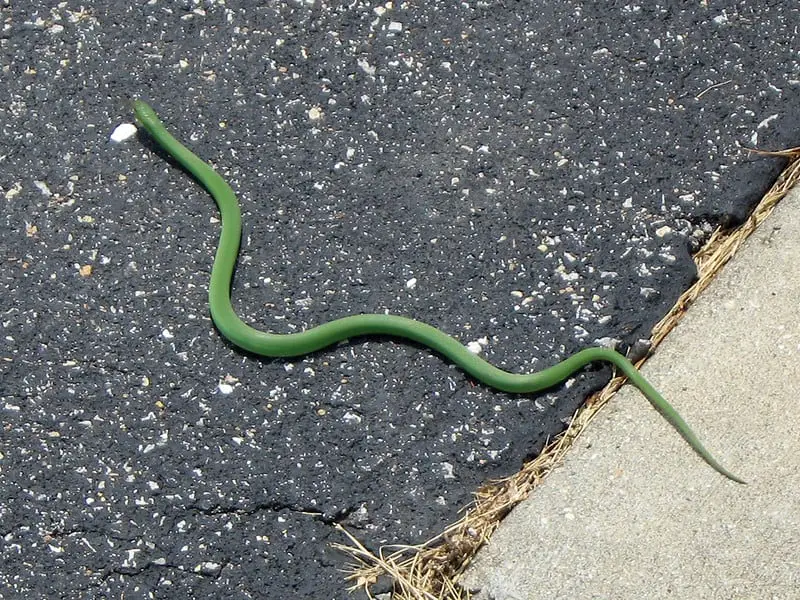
column 430, row 571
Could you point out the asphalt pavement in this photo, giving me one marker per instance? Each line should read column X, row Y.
column 632, row 512
column 530, row 179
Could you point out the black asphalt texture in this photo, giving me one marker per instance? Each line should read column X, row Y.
column 529, row 177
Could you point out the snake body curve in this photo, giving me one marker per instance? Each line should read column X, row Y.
column 316, row 338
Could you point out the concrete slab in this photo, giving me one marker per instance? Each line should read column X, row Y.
column 633, row 513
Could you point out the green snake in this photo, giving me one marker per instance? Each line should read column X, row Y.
column 316, row 338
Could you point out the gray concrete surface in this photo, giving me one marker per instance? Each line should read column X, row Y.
column 632, row 512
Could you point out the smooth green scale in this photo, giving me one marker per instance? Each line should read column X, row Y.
column 297, row 344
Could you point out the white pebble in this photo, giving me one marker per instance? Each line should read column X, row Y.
column 411, row 283
column 395, row 26
column 167, row 334
column 225, row 388
column 351, row 418
column 366, row 67
column 447, row 470
column 663, row 231
column 42, row 187
column 474, row 347
column 123, row 132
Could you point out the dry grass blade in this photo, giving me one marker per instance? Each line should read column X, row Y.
column 431, row 570
column 790, row 153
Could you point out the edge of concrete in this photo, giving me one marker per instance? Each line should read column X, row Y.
column 633, row 512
